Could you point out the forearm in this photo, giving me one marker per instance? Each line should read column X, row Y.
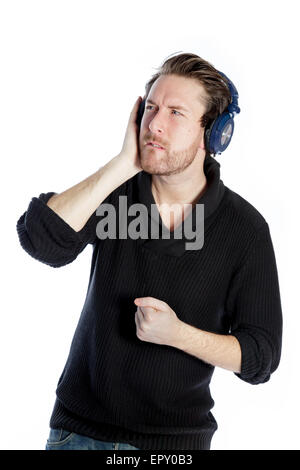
column 215, row 349
column 77, row 204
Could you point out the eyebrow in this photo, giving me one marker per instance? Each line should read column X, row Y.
column 171, row 107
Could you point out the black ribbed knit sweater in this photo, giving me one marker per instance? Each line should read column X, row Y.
column 115, row 387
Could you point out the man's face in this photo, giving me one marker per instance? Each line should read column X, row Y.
column 177, row 130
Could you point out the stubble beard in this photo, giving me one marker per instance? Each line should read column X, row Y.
column 168, row 163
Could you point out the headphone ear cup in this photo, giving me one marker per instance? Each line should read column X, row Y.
column 140, row 112
column 220, row 133
column 207, row 139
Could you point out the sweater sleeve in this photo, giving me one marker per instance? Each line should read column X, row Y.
column 45, row 236
column 255, row 307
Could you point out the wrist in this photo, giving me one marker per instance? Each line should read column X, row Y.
column 118, row 170
column 182, row 332
column 126, row 166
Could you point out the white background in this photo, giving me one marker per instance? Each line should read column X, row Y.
column 70, row 74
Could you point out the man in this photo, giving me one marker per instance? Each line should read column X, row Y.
column 158, row 317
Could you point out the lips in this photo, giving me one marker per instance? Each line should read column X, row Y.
column 155, row 144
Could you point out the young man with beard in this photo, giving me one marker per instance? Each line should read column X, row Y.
column 157, row 317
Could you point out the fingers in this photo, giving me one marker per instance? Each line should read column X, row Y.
column 143, row 312
column 136, row 105
column 134, row 111
column 151, row 302
column 140, row 313
column 137, row 320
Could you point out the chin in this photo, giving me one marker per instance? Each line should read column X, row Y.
column 148, row 163
column 152, row 170
column 153, row 165
column 149, row 169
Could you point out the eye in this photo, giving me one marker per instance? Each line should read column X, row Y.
column 150, row 106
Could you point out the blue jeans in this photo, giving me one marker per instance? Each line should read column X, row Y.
column 60, row 439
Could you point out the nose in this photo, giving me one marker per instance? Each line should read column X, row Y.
column 155, row 123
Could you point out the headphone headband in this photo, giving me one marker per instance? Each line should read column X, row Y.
column 233, row 106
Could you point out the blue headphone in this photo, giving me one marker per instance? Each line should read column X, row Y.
column 218, row 135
